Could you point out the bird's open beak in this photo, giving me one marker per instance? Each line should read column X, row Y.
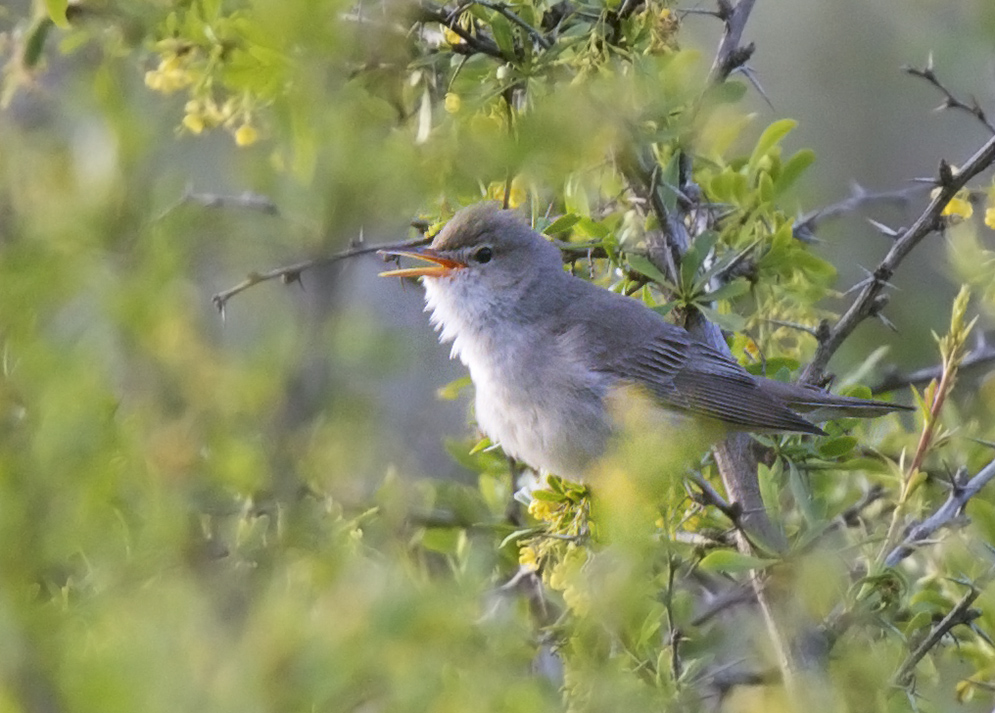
column 440, row 267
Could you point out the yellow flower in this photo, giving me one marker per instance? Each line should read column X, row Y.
column 959, row 206
column 990, row 218
column 194, row 123
column 541, row 510
column 451, row 37
column 578, row 600
column 453, row 102
column 246, row 135
column 516, row 196
column 529, row 558
column 170, row 75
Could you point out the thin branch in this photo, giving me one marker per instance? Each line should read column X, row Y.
column 944, row 515
column 805, row 226
column 949, row 100
column 962, row 613
column 871, row 300
column 292, row 273
column 724, row 603
column 708, row 495
column 474, row 43
column 244, row 201
column 503, row 10
column 730, row 56
column 981, row 355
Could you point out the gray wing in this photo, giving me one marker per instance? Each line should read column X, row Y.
column 690, row 376
column 629, row 341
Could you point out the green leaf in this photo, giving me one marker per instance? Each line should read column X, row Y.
column 441, row 539
column 727, row 92
column 57, row 11
column 482, row 445
column 667, row 185
column 982, row 514
column 520, row 534
column 729, row 321
column 771, row 136
column 811, row 509
column 770, row 478
column 665, row 309
column 562, row 224
column 695, row 256
column 592, row 228
column 729, row 291
column 732, row 562
column 765, row 186
column 503, row 35
column 452, row 390
column 643, row 266
column 773, row 366
column 837, row 447
column 792, row 169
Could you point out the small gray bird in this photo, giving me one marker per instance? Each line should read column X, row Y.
column 547, row 350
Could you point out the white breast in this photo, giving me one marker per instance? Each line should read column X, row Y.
column 534, row 396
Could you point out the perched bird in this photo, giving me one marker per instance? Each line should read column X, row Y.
column 547, row 351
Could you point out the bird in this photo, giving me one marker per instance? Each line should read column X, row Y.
column 549, row 353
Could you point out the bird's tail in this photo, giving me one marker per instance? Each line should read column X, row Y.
column 818, row 405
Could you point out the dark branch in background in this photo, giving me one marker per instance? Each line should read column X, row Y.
column 805, row 227
column 945, row 514
column 962, row 613
column 949, row 100
column 502, row 9
column 871, row 298
column 981, row 355
column 472, row 43
column 292, row 273
column 244, row 201
column 730, row 55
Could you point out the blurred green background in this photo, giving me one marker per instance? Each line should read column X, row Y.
column 183, row 498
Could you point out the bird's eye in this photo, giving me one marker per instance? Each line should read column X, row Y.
column 483, row 255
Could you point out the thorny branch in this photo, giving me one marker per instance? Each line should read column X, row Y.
column 962, row 613
column 804, row 228
column 292, row 273
column 949, row 100
column 960, row 494
column 982, row 354
column 473, row 43
column 244, row 201
column 730, row 55
column 871, row 300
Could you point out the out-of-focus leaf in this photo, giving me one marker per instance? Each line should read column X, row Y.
column 771, row 136
column 729, row 321
column 642, row 265
column 837, row 447
column 732, row 562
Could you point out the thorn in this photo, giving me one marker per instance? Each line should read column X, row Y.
column 751, row 75
column 803, row 233
column 946, row 173
column 884, row 229
column 887, row 322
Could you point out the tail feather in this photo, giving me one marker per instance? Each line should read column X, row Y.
column 818, row 405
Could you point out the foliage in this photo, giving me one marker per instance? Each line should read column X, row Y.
column 188, row 525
